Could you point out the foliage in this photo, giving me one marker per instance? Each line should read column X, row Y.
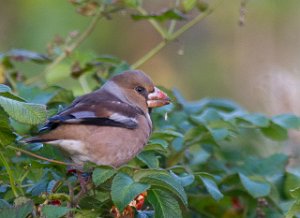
column 205, row 160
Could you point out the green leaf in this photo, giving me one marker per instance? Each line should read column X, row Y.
column 24, row 112
column 4, row 88
column 51, row 211
column 294, row 210
column 295, row 193
column 160, row 142
column 275, row 132
column 188, row 5
column 19, row 211
column 102, row 174
column 208, row 116
column 124, row 190
column 161, row 179
column 211, row 186
column 272, row 166
column 185, row 180
column 149, row 158
column 171, row 14
column 219, row 134
column 165, row 206
column 256, row 119
column 288, row 121
column 133, row 3
column 6, row 133
column 157, row 145
column 4, row 204
column 162, row 134
column 255, row 189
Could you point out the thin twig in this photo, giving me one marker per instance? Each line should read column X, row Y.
column 69, row 49
column 149, row 55
column 154, row 23
column 40, row 157
column 173, row 36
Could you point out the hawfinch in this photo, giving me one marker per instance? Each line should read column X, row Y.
column 108, row 126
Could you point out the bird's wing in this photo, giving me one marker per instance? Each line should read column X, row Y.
column 100, row 112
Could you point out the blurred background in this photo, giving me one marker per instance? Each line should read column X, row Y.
column 256, row 64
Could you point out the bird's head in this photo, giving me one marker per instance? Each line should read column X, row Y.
column 135, row 87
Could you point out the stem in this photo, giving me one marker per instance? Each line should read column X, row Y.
column 10, row 175
column 149, row 55
column 40, row 157
column 69, row 49
column 11, row 80
column 173, row 36
column 173, row 22
column 84, row 84
column 154, row 23
column 190, row 24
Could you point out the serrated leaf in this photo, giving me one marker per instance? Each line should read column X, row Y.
column 124, row 189
column 51, row 211
column 102, row 174
column 24, row 112
column 288, row 121
column 164, row 204
column 254, row 188
column 211, row 187
column 15, row 212
column 149, row 158
column 161, row 179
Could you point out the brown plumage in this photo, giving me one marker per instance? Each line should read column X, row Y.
column 108, row 126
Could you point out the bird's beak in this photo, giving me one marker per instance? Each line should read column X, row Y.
column 157, row 98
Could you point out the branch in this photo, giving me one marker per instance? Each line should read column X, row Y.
column 173, row 36
column 154, row 23
column 69, row 49
column 41, row 157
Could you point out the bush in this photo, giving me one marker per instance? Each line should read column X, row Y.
column 204, row 158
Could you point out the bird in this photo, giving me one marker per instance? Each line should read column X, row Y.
column 108, row 126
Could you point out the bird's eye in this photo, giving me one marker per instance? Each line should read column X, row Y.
column 139, row 89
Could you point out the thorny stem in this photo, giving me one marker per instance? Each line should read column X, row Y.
column 40, row 157
column 69, row 49
column 172, row 36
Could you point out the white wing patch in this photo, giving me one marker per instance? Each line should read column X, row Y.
column 83, row 114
